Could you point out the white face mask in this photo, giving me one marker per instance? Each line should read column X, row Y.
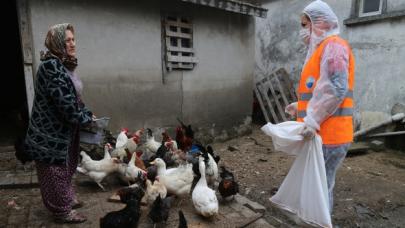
column 305, row 35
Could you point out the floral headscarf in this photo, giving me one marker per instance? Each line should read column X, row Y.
column 55, row 43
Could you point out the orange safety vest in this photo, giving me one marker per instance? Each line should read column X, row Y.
column 338, row 128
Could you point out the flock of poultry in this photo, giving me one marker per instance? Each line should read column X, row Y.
column 156, row 172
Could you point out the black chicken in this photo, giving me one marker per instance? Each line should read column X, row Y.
column 228, row 187
column 129, row 216
column 151, row 173
column 182, row 220
column 159, row 212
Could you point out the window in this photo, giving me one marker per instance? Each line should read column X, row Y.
column 178, row 40
column 370, row 7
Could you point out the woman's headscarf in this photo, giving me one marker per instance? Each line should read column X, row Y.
column 324, row 24
column 55, row 43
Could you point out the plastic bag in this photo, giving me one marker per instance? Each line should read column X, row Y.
column 94, row 133
column 304, row 191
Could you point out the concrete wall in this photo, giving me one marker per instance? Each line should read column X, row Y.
column 119, row 52
column 379, row 49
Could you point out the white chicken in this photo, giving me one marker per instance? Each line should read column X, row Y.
column 151, row 144
column 153, row 190
column 211, row 171
column 204, row 199
column 98, row 170
column 129, row 172
column 122, row 138
column 178, row 180
column 131, row 145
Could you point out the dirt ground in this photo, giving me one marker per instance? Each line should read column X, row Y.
column 369, row 191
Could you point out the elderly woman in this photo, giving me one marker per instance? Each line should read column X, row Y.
column 52, row 139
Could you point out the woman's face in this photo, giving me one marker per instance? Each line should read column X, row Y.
column 70, row 44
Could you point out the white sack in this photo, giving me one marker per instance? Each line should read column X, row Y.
column 304, row 190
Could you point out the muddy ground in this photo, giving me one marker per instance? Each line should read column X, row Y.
column 369, row 191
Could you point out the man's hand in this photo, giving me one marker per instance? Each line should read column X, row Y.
column 308, row 132
column 291, row 109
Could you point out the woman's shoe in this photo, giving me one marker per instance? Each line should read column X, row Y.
column 72, row 217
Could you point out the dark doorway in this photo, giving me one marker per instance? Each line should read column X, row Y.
column 13, row 101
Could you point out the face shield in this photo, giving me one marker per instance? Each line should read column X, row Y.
column 324, row 23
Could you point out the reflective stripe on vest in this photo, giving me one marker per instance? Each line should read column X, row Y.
column 308, row 96
column 339, row 112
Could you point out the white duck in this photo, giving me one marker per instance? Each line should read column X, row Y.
column 204, row 199
column 177, row 180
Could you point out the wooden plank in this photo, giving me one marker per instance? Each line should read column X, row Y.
column 182, row 59
column 385, row 134
column 281, row 88
column 283, row 74
column 178, row 24
column 25, row 30
column 259, row 98
column 280, row 109
column 178, row 34
column 29, row 86
column 266, row 97
column 180, row 49
column 27, row 47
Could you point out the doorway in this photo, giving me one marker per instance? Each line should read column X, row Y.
column 13, row 99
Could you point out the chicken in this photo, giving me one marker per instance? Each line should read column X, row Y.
column 204, row 199
column 164, row 153
column 211, row 152
column 153, row 190
column 151, row 144
column 167, row 139
column 183, row 142
column 129, row 172
column 98, row 170
column 159, row 212
column 128, row 216
column 151, row 173
column 138, row 161
column 122, row 138
column 182, row 220
column 228, row 187
column 130, row 145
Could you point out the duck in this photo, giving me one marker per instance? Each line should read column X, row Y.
column 177, row 180
column 204, row 199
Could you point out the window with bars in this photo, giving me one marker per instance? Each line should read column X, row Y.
column 178, row 39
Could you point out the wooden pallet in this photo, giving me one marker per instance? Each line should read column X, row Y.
column 274, row 92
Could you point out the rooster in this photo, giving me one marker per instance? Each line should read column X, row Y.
column 228, row 187
column 184, row 136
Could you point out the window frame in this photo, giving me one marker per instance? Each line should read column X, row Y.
column 177, row 57
column 361, row 8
